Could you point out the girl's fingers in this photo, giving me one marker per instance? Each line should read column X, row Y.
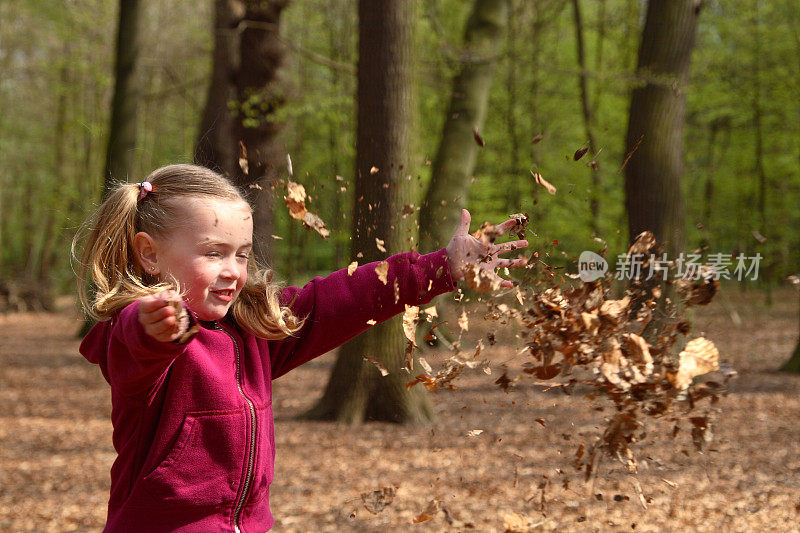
column 512, row 263
column 463, row 226
column 505, row 226
column 509, row 246
column 153, row 317
column 149, row 304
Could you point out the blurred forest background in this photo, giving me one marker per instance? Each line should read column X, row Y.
column 741, row 141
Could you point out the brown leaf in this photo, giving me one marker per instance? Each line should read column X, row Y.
column 310, row 220
column 296, row 200
column 429, row 513
column 699, row 357
column 580, row 152
column 380, row 245
column 243, row 158
column 377, row 500
column 410, row 319
column 480, row 280
column 373, row 171
column 377, row 364
column 478, row 139
column 383, row 271
column 352, row 268
column 543, row 182
column 504, row 381
column 537, row 138
column 463, row 321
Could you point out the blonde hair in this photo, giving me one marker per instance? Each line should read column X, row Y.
column 107, row 258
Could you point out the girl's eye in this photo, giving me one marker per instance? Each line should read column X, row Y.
column 244, row 256
column 213, row 254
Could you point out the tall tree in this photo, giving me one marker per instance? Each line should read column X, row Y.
column 655, row 127
column 215, row 147
column 245, row 91
column 127, row 94
column 446, row 196
column 355, row 390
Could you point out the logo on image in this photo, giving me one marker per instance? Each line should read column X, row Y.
column 591, row 266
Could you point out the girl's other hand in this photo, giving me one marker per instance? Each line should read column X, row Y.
column 157, row 315
column 465, row 252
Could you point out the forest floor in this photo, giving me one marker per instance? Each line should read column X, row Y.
column 56, row 451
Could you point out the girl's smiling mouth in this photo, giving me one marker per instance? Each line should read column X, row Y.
column 226, row 295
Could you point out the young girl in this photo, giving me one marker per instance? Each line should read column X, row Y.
column 191, row 372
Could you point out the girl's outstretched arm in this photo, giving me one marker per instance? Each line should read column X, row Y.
column 343, row 304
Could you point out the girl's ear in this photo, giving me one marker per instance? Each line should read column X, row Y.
column 146, row 253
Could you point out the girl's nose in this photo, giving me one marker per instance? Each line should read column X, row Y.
column 230, row 270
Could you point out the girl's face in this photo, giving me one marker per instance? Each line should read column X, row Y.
column 207, row 252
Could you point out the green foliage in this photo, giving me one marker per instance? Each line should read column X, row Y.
column 58, row 63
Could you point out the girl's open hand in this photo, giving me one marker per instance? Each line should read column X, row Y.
column 157, row 315
column 468, row 255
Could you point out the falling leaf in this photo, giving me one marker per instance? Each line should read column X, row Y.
column 543, row 182
column 542, row 422
column 277, row 237
column 378, row 364
column 474, row 432
column 373, row 171
column 243, row 158
column 407, row 210
column 310, row 220
column 296, row 200
column 289, row 164
column 425, row 365
column 377, row 500
column 379, row 243
column 431, row 311
column 371, row 322
column 478, row 139
column 478, row 349
column 352, row 268
column 186, row 330
column 408, row 357
column 480, row 280
column 518, row 294
column 580, row 152
column 429, row 513
column 758, row 237
column 699, row 357
column 504, row 381
column 410, row 319
column 463, row 321
column 383, row 271
column 537, row 138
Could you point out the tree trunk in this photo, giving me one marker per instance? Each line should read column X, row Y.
column 655, row 128
column 127, row 93
column 793, row 363
column 440, row 212
column 355, row 391
column 216, row 147
column 258, row 96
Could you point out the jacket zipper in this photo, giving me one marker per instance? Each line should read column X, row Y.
column 251, row 455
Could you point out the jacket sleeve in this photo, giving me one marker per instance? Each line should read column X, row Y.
column 137, row 361
column 336, row 308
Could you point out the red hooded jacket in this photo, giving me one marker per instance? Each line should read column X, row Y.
column 193, row 426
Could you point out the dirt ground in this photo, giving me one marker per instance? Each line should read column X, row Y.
column 56, row 452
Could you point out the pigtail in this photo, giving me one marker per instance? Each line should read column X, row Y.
column 107, row 257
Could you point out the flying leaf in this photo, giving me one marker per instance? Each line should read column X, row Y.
column 425, row 365
column 371, row 322
column 296, row 200
column 289, row 164
column 373, row 170
column 543, row 182
column 310, row 220
column 352, row 268
column 474, row 432
column 463, row 321
column 383, row 271
column 537, row 138
column 431, row 311
column 580, row 152
column 478, row 139
column 410, row 319
column 699, row 357
column 377, row 364
column 379, row 243
column 243, row 158
column 429, row 513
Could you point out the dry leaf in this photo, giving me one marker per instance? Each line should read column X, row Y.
column 410, row 319
column 480, row 280
column 580, row 152
column 379, row 243
column 377, row 500
column 429, row 513
column 383, row 271
column 373, row 171
column 537, row 138
column 478, row 139
column 310, row 220
column 474, row 432
column 289, row 164
column 352, row 268
column 296, row 200
column 543, row 182
column 243, row 159
column 378, row 364
column 431, row 311
column 425, row 365
column 371, row 322
column 699, row 357
column 463, row 321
